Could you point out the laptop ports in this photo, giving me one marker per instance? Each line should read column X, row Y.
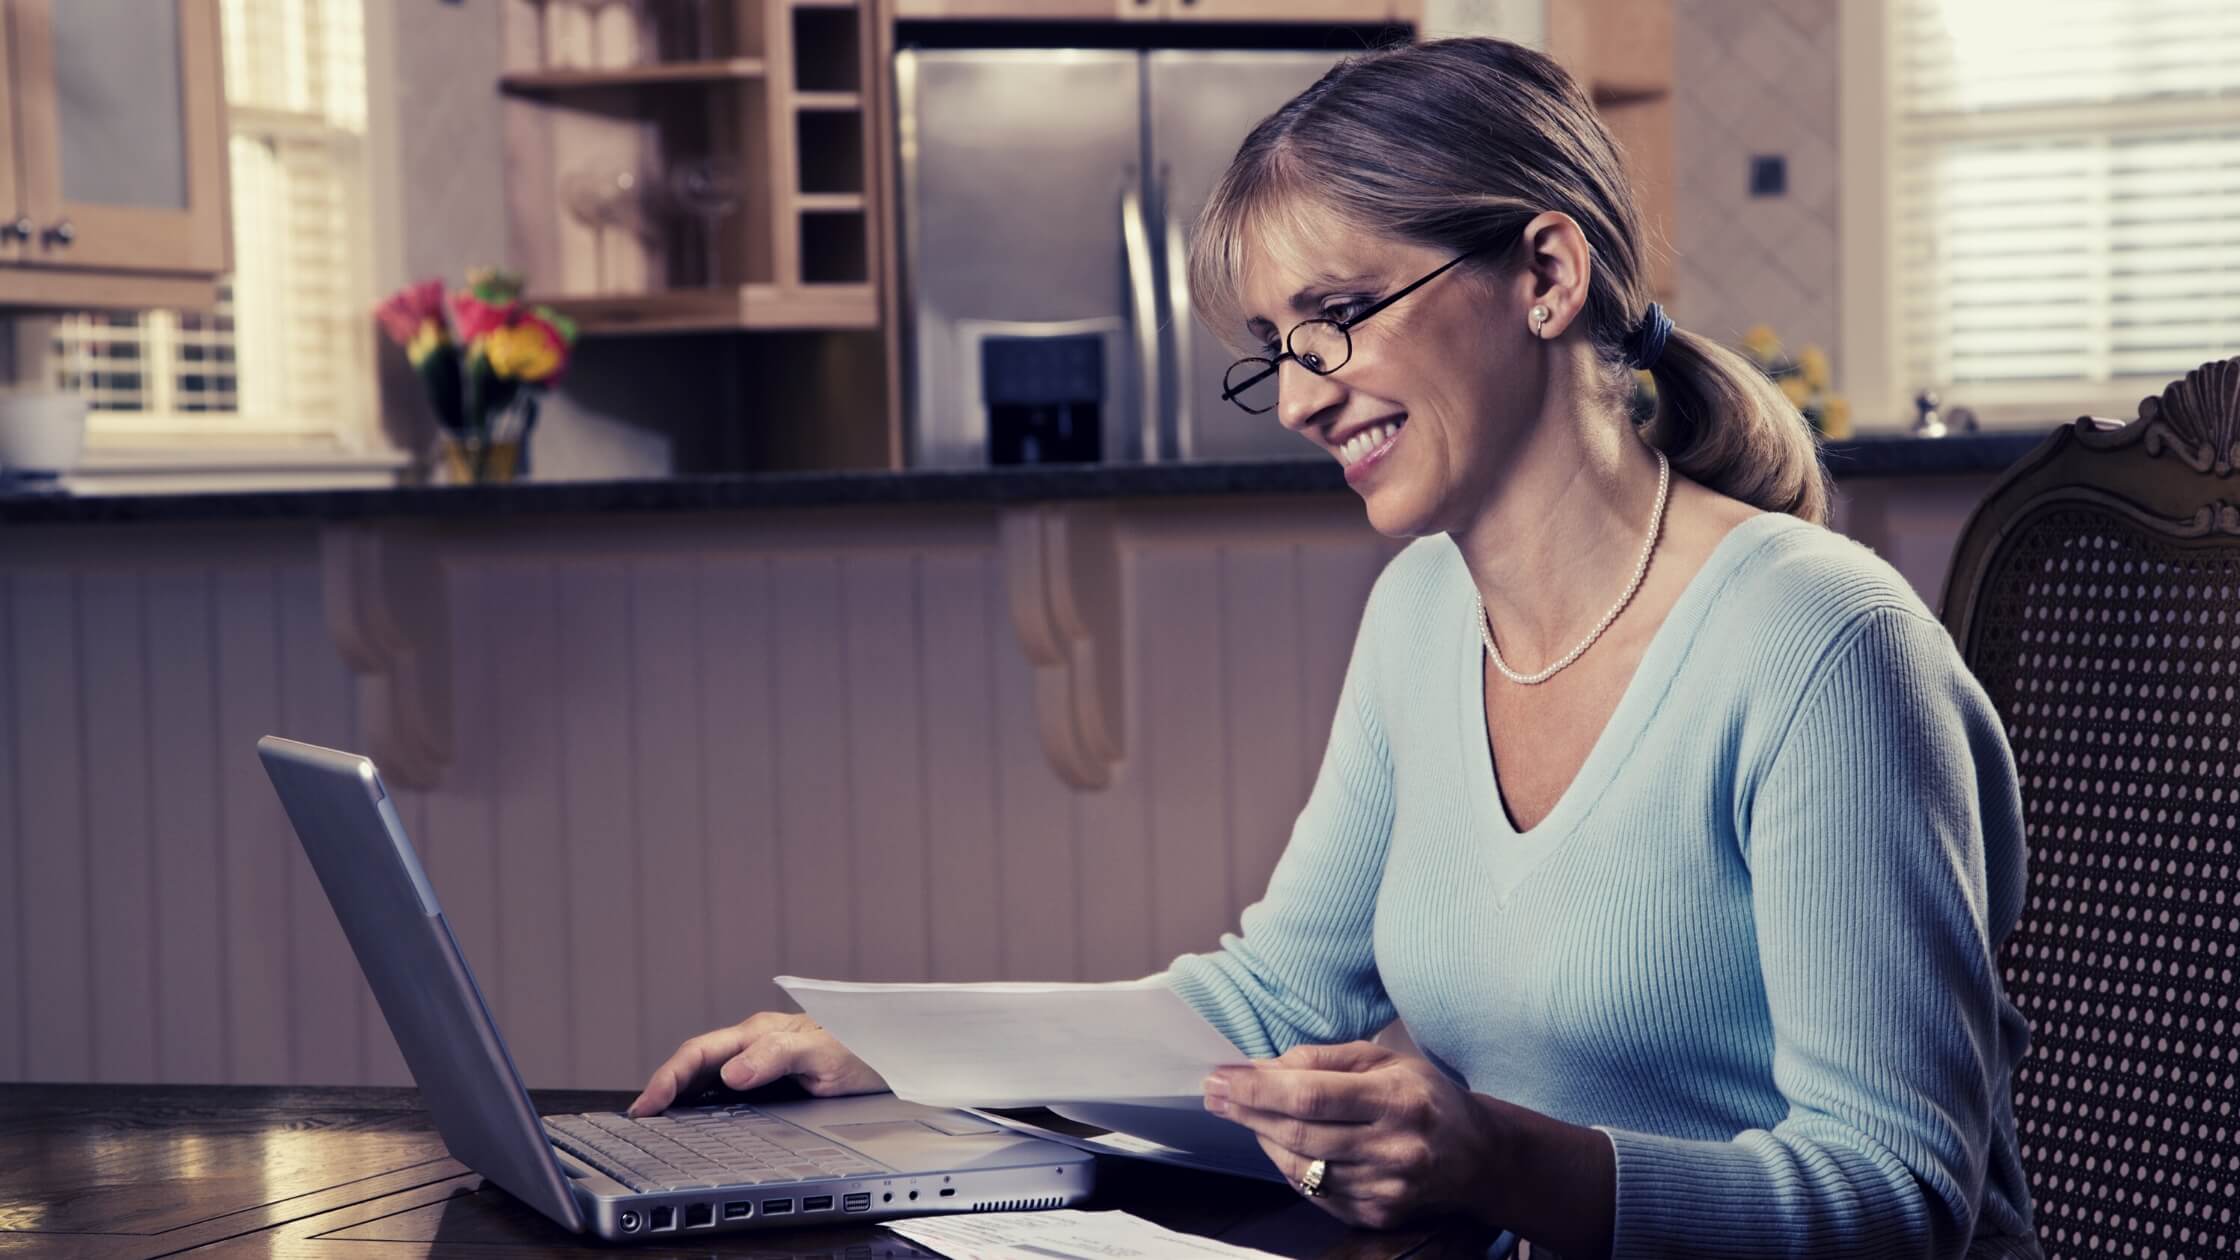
column 855, row 1203
column 777, row 1207
column 738, row 1211
column 664, row 1218
column 630, row 1221
column 817, row 1203
column 699, row 1215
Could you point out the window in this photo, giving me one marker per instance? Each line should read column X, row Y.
column 2062, row 180
column 287, row 357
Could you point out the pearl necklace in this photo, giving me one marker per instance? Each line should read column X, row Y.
column 1656, row 526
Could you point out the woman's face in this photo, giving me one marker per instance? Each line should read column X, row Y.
column 1450, row 367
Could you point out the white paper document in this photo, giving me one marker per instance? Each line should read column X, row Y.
column 1129, row 1056
column 1024, row 1045
column 1064, row 1234
column 1216, row 1152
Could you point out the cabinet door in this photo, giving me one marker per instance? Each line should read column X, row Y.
column 12, row 207
column 120, row 116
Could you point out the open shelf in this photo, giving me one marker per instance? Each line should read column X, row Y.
column 829, row 147
column 827, row 49
column 550, row 82
column 833, row 247
column 598, row 100
column 753, row 307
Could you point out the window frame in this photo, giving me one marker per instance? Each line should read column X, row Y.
column 192, row 450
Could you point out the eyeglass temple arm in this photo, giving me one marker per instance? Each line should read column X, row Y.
column 1274, row 365
column 1389, row 299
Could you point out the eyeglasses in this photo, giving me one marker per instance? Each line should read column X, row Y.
column 1321, row 346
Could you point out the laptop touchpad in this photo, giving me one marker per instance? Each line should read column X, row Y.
column 959, row 1124
column 912, row 1146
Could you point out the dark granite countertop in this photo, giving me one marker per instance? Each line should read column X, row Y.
column 1868, row 457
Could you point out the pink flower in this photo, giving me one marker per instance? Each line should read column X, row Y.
column 477, row 317
column 405, row 314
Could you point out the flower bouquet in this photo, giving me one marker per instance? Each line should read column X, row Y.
column 1803, row 378
column 484, row 379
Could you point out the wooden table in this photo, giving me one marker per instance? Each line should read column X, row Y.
column 112, row 1172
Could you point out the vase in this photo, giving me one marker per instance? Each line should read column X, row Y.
column 495, row 451
column 471, row 461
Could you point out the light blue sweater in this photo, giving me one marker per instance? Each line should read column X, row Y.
column 1754, row 943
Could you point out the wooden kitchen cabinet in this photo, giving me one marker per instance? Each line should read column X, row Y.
column 1325, row 12
column 1620, row 51
column 788, row 102
column 14, row 224
column 1322, row 12
column 114, row 116
column 1026, row 10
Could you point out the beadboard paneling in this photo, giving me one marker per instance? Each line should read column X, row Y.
column 686, row 761
column 190, row 1007
column 15, row 1024
column 52, row 907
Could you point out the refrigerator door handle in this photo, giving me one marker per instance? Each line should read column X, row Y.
column 1178, row 309
column 1143, row 293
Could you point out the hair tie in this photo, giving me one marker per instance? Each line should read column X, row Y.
column 1648, row 337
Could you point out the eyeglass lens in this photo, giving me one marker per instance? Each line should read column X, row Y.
column 1320, row 345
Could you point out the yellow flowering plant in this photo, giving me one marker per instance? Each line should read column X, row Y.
column 484, row 366
column 1802, row 378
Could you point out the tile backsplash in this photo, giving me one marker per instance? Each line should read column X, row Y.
column 1756, row 79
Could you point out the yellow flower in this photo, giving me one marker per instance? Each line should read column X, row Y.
column 522, row 352
column 1795, row 389
column 430, row 338
column 1813, row 362
column 1761, row 342
column 1835, row 419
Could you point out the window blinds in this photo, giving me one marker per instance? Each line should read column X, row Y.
column 287, row 350
column 2066, row 195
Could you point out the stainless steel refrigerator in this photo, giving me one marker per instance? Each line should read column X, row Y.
column 1046, row 197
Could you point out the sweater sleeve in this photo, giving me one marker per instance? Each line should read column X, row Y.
column 1865, row 841
column 1303, row 969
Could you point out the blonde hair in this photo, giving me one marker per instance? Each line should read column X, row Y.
column 1456, row 144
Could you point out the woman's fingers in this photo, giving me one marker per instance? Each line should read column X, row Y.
column 692, row 1061
column 756, row 1051
column 1310, row 1139
column 764, row 1059
column 1309, row 1093
column 810, row 1055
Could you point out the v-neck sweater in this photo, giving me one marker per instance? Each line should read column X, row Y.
column 1754, row 942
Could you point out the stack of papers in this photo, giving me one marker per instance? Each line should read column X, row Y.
column 1130, row 1057
column 1065, row 1234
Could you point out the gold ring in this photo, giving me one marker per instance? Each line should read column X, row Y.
column 1310, row 1184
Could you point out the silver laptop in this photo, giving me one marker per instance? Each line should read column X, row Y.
column 692, row 1169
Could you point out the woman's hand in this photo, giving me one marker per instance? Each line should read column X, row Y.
column 1399, row 1139
column 755, row 1051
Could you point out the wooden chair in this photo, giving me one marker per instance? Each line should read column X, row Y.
column 2096, row 594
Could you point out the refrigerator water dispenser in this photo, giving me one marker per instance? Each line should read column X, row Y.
column 1044, row 398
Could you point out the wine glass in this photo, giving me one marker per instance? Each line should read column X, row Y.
column 603, row 197
column 712, row 188
column 636, row 24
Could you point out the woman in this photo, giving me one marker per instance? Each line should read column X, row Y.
column 1692, row 899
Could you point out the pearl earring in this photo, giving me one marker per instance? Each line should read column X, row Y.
column 1539, row 317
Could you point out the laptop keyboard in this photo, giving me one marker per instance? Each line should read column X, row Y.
column 701, row 1148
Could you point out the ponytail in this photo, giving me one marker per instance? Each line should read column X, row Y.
column 1723, row 423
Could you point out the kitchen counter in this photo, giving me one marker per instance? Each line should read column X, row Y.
column 1973, row 454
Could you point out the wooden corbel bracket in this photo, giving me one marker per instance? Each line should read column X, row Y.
column 1062, row 568
column 390, row 618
